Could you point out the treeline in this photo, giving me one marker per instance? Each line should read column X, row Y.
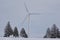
column 8, row 31
column 53, row 32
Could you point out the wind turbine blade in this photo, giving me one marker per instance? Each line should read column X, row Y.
column 34, row 13
column 26, row 7
column 24, row 20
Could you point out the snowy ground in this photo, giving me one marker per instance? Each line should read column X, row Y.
column 3, row 38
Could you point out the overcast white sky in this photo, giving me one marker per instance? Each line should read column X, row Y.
column 14, row 11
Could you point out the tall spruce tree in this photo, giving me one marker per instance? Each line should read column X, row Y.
column 15, row 33
column 54, row 31
column 48, row 34
column 8, row 30
column 58, row 33
column 23, row 33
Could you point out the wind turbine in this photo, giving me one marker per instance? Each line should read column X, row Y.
column 28, row 17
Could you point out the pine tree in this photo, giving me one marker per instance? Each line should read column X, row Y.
column 15, row 33
column 54, row 31
column 48, row 34
column 23, row 33
column 58, row 33
column 8, row 30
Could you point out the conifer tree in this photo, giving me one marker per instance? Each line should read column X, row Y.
column 48, row 34
column 54, row 31
column 15, row 33
column 23, row 33
column 8, row 30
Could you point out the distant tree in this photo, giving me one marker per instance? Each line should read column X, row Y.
column 23, row 33
column 54, row 31
column 45, row 36
column 58, row 34
column 8, row 30
column 15, row 33
column 48, row 34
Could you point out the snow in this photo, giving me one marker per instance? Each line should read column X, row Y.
column 4, row 38
column 11, row 36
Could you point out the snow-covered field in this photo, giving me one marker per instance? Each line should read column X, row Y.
column 3, row 38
